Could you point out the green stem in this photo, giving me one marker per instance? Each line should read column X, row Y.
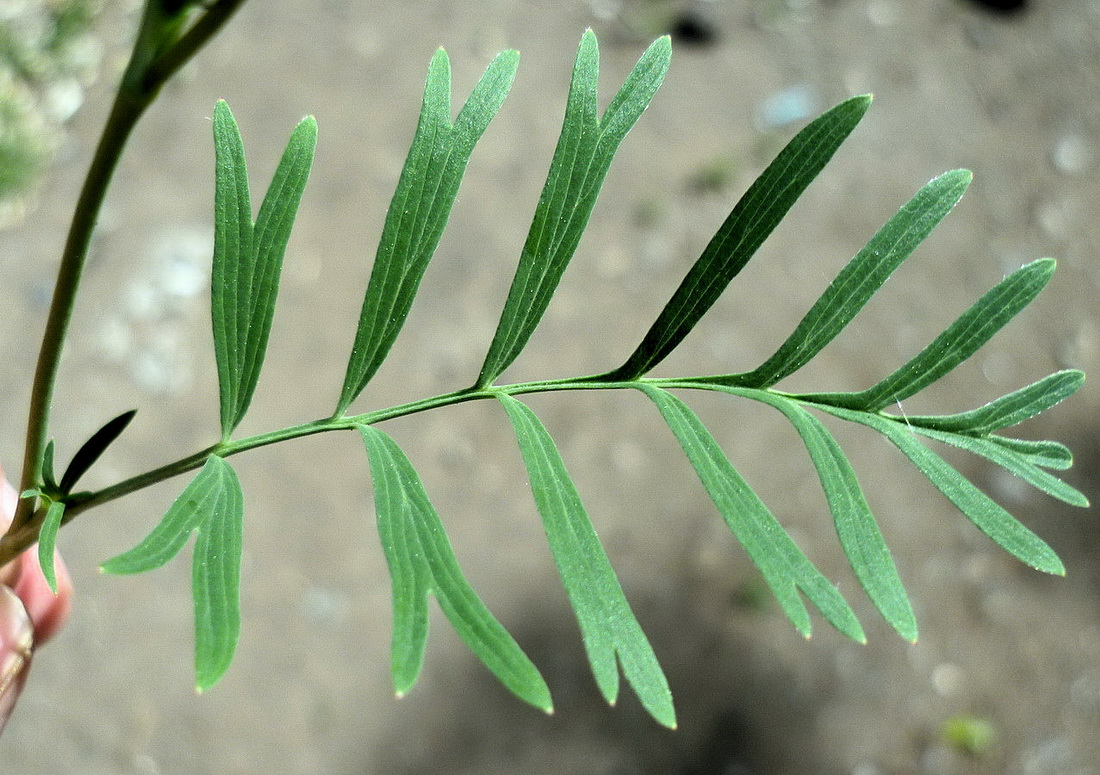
column 124, row 115
column 192, row 41
column 348, row 422
column 20, row 538
column 160, row 49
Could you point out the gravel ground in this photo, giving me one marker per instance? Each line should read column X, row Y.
column 1016, row 99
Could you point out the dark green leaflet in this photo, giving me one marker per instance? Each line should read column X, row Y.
column 612, row 635
column 581, row 160
column 419, row 210
column 753, row 218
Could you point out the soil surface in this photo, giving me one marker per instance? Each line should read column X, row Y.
column 1016, row 99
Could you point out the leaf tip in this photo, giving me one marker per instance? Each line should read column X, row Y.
column 1043, row 266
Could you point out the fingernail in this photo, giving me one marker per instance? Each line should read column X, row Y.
column 16, row 643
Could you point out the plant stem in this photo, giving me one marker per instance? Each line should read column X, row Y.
column 160, row 50
column 124, row 115
column 325, row 425
column 192, row 41
column 20, row 538
column 23, row 536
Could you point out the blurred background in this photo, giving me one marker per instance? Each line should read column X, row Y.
column 1006, row 676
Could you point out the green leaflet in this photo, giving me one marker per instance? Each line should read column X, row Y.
column 859, row 280
column 1047, row 454
column 215, row 584
column 213, row 506
column 1011, row 462
column 47, row 540
column 855, row 525
column 248, row 258
column 48, row 478
column 91, row 450
column 784, row 567
column 607, row 624
column 983, row 511
column 581, row 160
column 421, row 561
column 1008, row 410
column 419, row 209
column 962, row 339
column 753, row 218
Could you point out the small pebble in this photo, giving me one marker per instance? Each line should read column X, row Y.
column 866, row 768
column 1049, row 757
column 882, row 13
column 947, row 678
column 628, row 457
column 182, row 260
column 605, row 10
column 787, row 106
column 1084, row 693
column 1071, row 155
column 63, row 99
column 325, row 606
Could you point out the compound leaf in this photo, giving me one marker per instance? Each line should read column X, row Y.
column 1012, row 462
column 1008, row 410
column 581, row 160
column 784, row 567
column 860, row 279
column 1046, row 454
column 47, row 541
column 91, row 450
column 753, row 218
column 213, row 506
column 859, row 535
column 201, row 498
column 611, row 633
column 421, row 561
column 248, row 258
column 419, row 209
column 962, row 339
column 979, row 508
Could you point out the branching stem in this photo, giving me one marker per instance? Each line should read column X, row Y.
column 24, row 535
column 161, row 48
